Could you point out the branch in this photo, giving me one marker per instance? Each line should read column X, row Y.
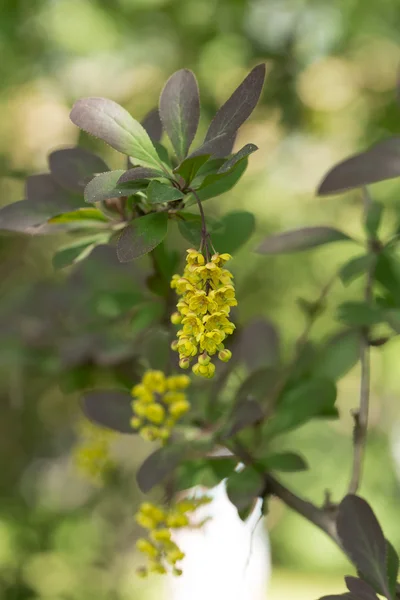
column 204, row 232
column 361, row 415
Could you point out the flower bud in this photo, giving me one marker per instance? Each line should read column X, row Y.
column 225, row 355
column 184, row 363
column 204, row 359
column 176, row 318
column 174, row 345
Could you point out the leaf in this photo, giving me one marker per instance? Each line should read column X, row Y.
column 139, row 174
column 73, row 167
column 152, row 125
column 180, row 110
column 392, row 565
column 158, row 466
column 300, row 239
column 71, row 255
column 387, row 273
column 299, row 404
column 110, row 122
column 158, row 193
column 360, row 314
column 259, row 344
column 243, row 153
column 379, row 163
column 257, row 385
column 374, row 216
column 235, row 230
column 236, row 109
column 190, row 226
column 242, row 487
column 287, row 462
column 356, row 267
column 345, row 596
column 44, row 191
column 104, row 187
column 142, row 236
column 245, row 413
column 23, row 216
column 215, row 185
column 338, row 355
column 190, row 166
column 360, row 589
column 363, row 541
column 109, row 408
column 82, row 214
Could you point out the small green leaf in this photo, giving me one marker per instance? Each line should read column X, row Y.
column 142, row 236
column 337, row 355
column 301, row 239
column 82, row 214
column 217, row 184
column 189, row 226
column 288, row 462
column 301, row 403
column 158, row 193
column 374, row 218
column 71, row 255
column 243, row 153
column 356, row 267
column 387, row 273
column 110, row 122
column 190, row 166
column 360, row 314
column 235, row 230
column 242, row 487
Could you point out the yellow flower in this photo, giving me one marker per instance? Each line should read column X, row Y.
column 206, row 371
column 192, row 325
column 178, row 382
column 155, row 381
column 155, row 413
column 178, row 409
column 146, row 547
column 220, row 259
column 187, row 347
column 194, row 257
column 161, row 535
column 211, row 340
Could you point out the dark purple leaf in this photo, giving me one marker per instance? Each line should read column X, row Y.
column 113, row 124
column 109, row 408
column 259, row 344
column 142, row 236
column 246, row 413
column 243, row 153
column 363, row 540
column 23, row 216
column 152, row 124
column 238, row 107
column 180, row 110
column 392, row 565
column 360, row 589
column 346, row 596
column 300, row 239
column 379, row 163
column 158, row 466
column 72, row 168
column 44, row 191
column 218, row 147
column 139, row 173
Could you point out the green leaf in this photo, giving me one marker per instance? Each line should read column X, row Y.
column 215, row 185
column 301, row 239
column 243, row 153
column 360, row 314
column 110, row 122
column 180, row 110
column 235, row 230
column 142, row 236
column 71, row 255
column 363, row 541
column 204, row 472
column 190, row 166
column 360, row 265
column 338, row 355
column 139, row 175
column 379, row 163
column 387, row 273
column 392, row 565
column 82, row 214
column 242, row 487
column 288, row 462
column 374, row 217
column 299, row 404
column 190, row 226
column 158, row 193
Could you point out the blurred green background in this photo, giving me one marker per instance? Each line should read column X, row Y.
column 330, row 90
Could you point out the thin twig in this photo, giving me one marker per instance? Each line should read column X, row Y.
column 204, row 232
column 361, row 414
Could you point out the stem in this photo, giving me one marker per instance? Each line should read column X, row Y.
column 323, row 518
column 204, row 233
column 361, row 414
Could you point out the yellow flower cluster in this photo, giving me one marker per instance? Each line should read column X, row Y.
column 158, row 403
column 207, row 294
column 92, row 453
column 160, row 549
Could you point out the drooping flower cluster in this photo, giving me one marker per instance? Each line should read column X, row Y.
column 158, row 403
column 207, row 294
column 92, row 452
column 161, row 551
